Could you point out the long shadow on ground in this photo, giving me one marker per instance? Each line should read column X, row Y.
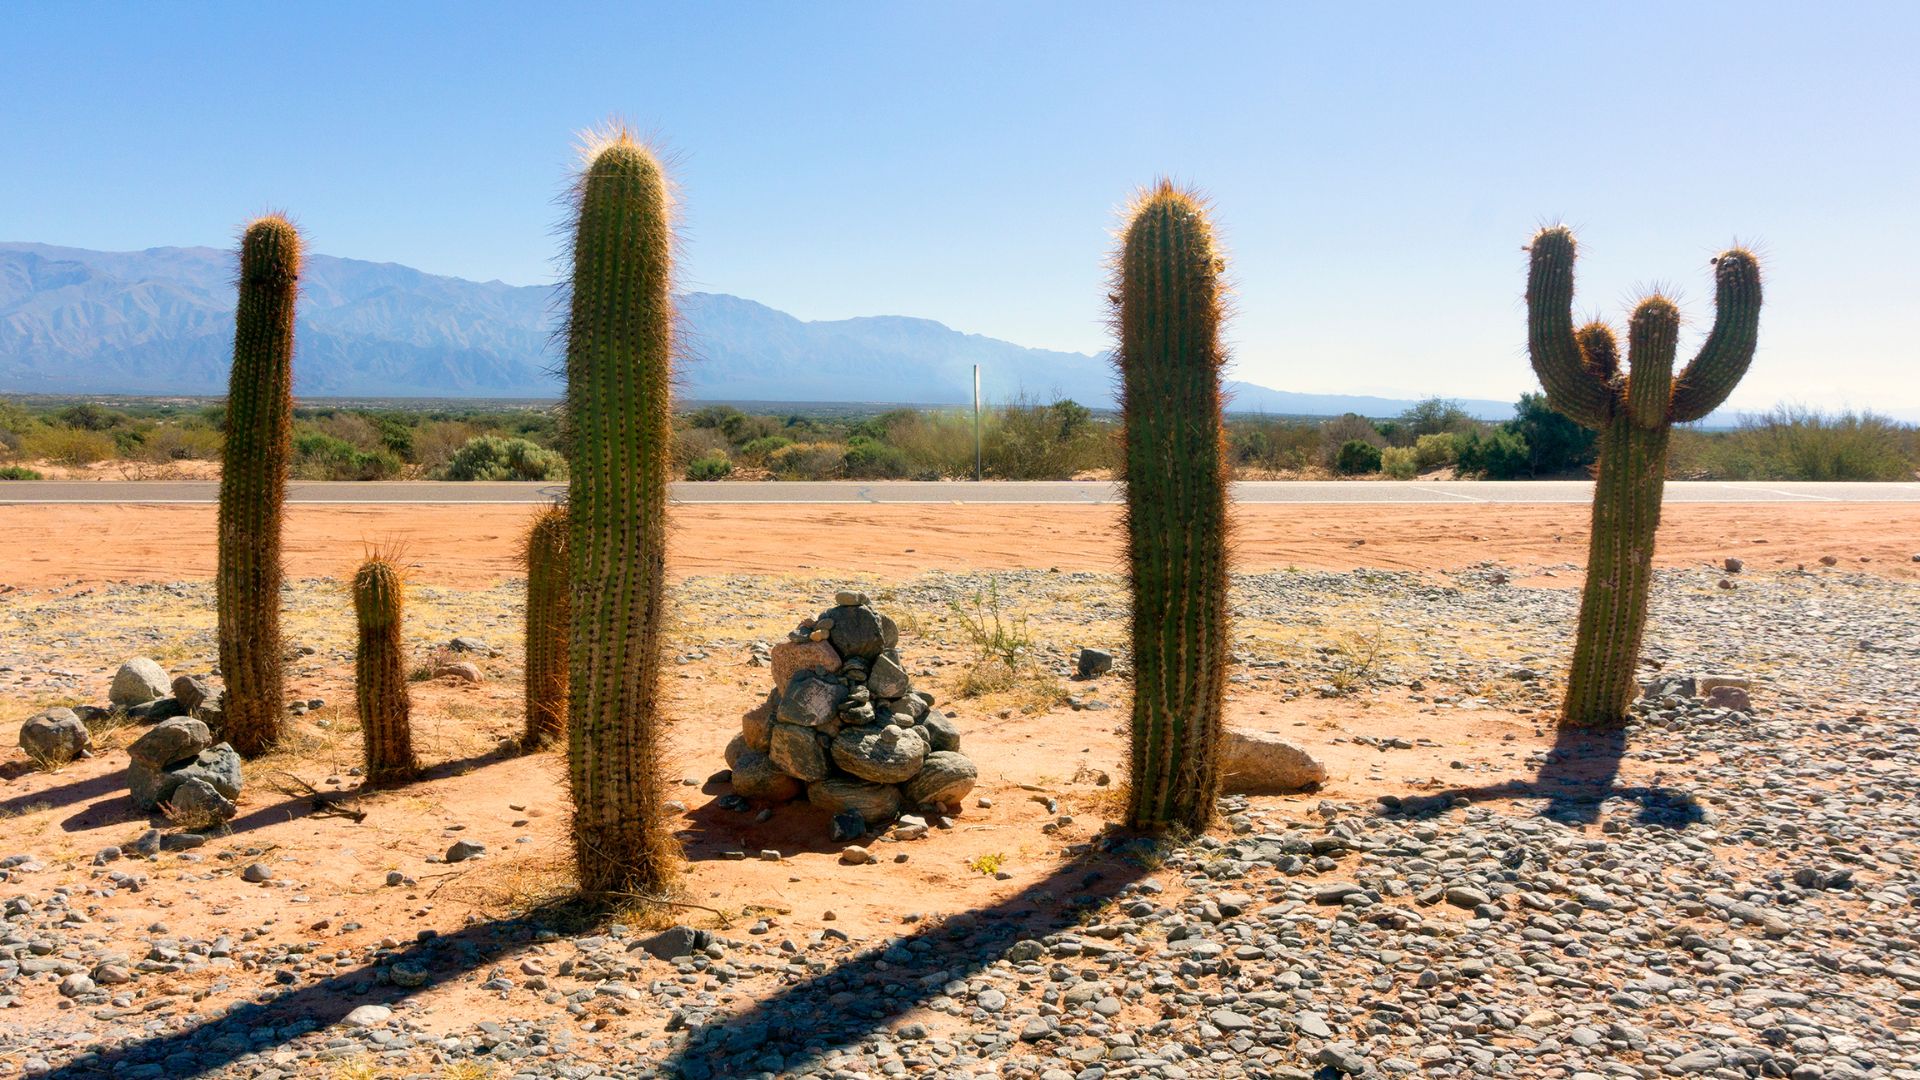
column 808, row 1021
column 1576, row 779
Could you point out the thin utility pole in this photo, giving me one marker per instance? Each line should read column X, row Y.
column 976, row 423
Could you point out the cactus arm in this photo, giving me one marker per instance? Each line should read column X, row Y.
column 1652, row 338
column 1572, row 386
column 1599, row 352
column 1723, row 360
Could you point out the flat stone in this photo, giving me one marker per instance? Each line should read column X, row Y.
column 1255, row 762
column 367, row 1016
column 789, row 658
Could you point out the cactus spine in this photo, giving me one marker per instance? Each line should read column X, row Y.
column 253, row 482
column 380, row 672
column 619, row 371
column 1634, row 413
column 1167, row 298
column 547, row 628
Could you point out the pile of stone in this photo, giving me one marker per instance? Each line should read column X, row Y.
column 141, row 692
column 178, row 765
column 844, row 726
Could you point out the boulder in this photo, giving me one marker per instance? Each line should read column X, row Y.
column 757, row 726
column 165, row 708
column 55, row 737
column 789, row 658
column 885, row 679
column 889, row 633
column 675, row 942
column 191, row 693
column 196, row 804
column 874, row 803
column 1255, row 762
column 946, row 777
column 755, row 776
column 460, row 670
column 884, row 755
column 941, row 734
column 1093, row 662
column 736, row 746
column 856, row 631
column 1730, row 697
column 218, row 765
column 138, row 681
column 169, row 741
column 810, row 702
column 800, row 752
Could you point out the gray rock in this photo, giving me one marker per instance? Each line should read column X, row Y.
column 191, row 693
column 940, row 733
column 195, row 803
column 1255, row 762
column 1090, row 663
column 218, row 765
column 810, row 702
column 886, row 679
column 736, row 746
column 256, row 873
column 945, row 777
column 889, row 633
column 162, row 708
column 847, row 826
column 675, row 942
column 54, row 737
column 171, row 741
column 800, row 752
column 755, row 776
column 462, row 850
column 855, row 855
column 368, row 1015
column 756, row 727
column 469, row 644
column 884, row 755
column 857, row 631
column 138, row 681
column 790, row 658
column 874, row 803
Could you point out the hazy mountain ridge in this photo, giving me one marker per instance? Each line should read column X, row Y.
column 160, row 321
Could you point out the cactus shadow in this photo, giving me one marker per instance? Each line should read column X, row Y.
column 713, row 833
column 800, row 1025
column 66, row 794
column 273, row 1019
column 1578, row 776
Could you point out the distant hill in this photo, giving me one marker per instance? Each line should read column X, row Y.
column 160, row 322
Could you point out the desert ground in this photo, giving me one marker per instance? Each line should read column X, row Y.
column 1725, row 894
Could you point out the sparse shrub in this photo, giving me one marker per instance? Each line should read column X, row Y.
column 436, row 441
column 693, row 443
column 1432, row 451
column 1400, row 462
column 491, row 457
column 808, row 461
column 74, row 448
column 181, row 442
column 1273, row 445
column 711, row 467
column 18, row 472
column 319, row 456
column 1434, row 416
column 938, row 444
column 1357, row 457
column 1030, row 441
column 758, row 450
column 1793, row 443
column 870, row 459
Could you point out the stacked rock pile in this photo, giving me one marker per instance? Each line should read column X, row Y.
column 178, row 764
column 844, row 726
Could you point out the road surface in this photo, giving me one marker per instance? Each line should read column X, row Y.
column 1057, row 493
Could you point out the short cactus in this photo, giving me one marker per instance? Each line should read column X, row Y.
column 253, row 483
column 548, row 626
column 619, row 339
column 1168, row 298
column 1634, row 413
column 380, row 672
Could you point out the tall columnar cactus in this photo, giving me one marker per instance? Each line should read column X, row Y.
column 380, row 672
column 548, row 627
column 1168, row 301
column 619, row 373
column 1634, row 412
column 253, row 482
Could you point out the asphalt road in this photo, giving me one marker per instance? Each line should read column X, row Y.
column 1070, row 493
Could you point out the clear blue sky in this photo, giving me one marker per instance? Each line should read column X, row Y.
column 1375, row 167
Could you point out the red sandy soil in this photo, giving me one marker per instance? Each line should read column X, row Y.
column 474, row 546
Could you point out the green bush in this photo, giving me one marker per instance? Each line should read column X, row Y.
column 1434, row 416
column 1497, row 454
column 1357, row 457
column 491, row 457
column 1554, row 442
column 72, row 447
column 1400, row 462
column 319, row 456
column 1432, row 451
column 758, row 449
column 710, row 467
column 1794, row 443
column 18, row 472
column 1336, row 433
column 870, row 459
column 1272, row 445
column 1045, row 442
column 181, row 442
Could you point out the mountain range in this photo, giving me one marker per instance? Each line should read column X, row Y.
column 160, row 321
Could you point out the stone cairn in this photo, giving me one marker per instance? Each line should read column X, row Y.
column 844, row 726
